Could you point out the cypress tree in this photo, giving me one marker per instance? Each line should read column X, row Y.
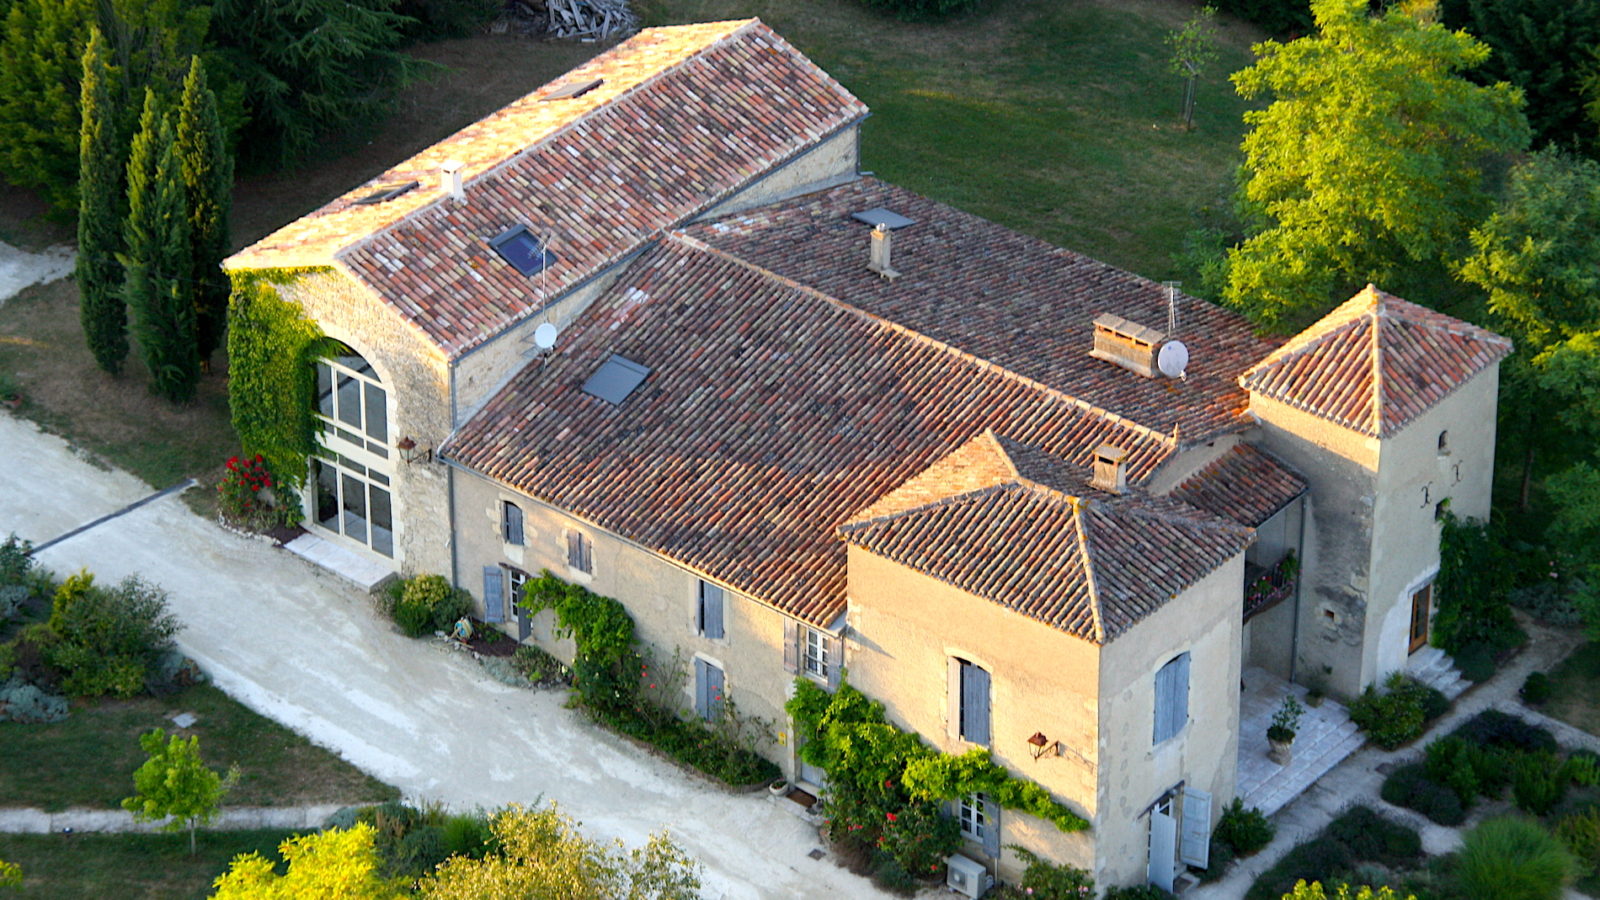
column 158, row 258
column 100, row 191
column 41, row 59
column 208, row 184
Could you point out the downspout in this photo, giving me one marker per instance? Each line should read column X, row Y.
column 450, row 488
column 1299, row 588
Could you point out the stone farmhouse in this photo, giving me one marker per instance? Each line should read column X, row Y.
column 651, row 328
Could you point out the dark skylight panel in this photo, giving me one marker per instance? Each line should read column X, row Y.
column 616, row 379
column 517, row 246
column 574, row 89
column 884, row 217
column 386, row 193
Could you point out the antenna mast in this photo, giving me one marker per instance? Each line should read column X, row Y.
column 1172, row 307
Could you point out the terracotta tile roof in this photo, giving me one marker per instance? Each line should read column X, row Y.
column 1245, row 484
column 1375, row 363
column 772, row 415
column 1003, row 297
column 1088, row 563
column 684, row 117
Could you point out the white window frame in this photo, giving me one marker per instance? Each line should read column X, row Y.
column 970, row 814
column 371, row 451
column 515, row 579
column 814, row 660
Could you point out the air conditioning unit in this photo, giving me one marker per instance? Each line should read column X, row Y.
column 967, row 876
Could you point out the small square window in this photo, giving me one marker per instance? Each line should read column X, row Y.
column 580, row 552
column 511, row 523
column 817, row 661
column 974, row 823
column 518, row 246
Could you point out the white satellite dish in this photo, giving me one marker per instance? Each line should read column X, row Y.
column 1173, row 359
column 544, row 337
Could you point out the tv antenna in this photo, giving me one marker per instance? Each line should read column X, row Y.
column 1172, row 307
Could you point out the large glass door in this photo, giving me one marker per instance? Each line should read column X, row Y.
column 350, row 475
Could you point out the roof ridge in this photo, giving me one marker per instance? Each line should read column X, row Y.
column 1106, row 414
column 947, row 500
column 1091, row 582
column 1377, row 364
column 1210, row 520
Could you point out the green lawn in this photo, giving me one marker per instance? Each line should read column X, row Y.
column 128, row 866
column 89, row 759
column 1575, row 689
column 1057, row 119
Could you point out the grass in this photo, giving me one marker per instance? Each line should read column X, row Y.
column 89, row 759
column 1056, row 119
column 1575, row 689
column 128, row 866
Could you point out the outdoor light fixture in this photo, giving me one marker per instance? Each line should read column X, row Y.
column 410, row 453
column 1040, row 744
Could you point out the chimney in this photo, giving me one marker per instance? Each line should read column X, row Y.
column 452, row 179
column 882, row 240
column 1109, row 473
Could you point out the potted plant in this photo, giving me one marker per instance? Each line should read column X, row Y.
column 1280, row 734
column 778, row 787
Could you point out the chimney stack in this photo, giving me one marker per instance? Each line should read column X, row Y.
column 1110, row 475
column 882, row 241
column 452, row 179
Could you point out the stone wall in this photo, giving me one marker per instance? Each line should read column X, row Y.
column 833, row 162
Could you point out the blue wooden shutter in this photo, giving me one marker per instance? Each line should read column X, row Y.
column 715, row 688
column 1164, row 698
column 791, row 646
column 974, row 704
column 494, row 601
column 702, row 690
column 511, row 522
column 991, row 824
column 1180, row 695
column 711, row 610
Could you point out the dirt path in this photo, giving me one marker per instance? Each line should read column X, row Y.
column 304, row 648
column 19, row 269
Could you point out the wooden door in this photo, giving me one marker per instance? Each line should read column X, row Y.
column 1421, row 607
column 1163, row 847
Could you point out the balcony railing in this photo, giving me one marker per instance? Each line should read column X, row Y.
column 1266, row 586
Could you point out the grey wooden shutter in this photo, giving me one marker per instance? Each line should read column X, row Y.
column 524, row 620
column 511, row 522
column 791, row 646
column 974, row 704
column 1180, row 695
column 1194, row 838
column 991, row 823
column 714, row 686
column 835, row 648
column 702, row 692
column 711, row 610
column 494, row 601
column 1165, row 697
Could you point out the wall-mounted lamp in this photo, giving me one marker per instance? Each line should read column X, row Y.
column 1040, row 744
column 410, row 453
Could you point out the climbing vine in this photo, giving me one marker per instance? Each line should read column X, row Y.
column 605, row 665
column 885, row 768
column 271, row 381
column 1471, row 589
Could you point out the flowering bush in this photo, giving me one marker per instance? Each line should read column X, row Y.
column 244, row 496
column 1043, row 881
column 919, row 838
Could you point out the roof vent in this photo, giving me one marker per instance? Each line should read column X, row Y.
column 385, row 193
column 882, row 241
column 1110, row 473
column 616, row 379
column 573, row 89
column 1126, row 343
column 880, row 216
column 452, row 179
column 518, row 246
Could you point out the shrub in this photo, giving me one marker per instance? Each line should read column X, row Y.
column 1580, row 833
column 1538, row 781
column 919, row 839
column 107, row 640
column 23, row 702
column 421, row 850
column 12, row 596
column 1512, row 859
column 1493, row 728
column 1245, row 831
column 467, row 835
column 539, row 667
column 1400, row 713
column 1536, row 689
column 428, row 603
column 1044, row 881
column 1371, row 837
column 1409, row 786
column 1549, row 601
column 1314, row 860
column 1450, row 762
column 241, row 501
column 1220, row 858
column 888, row 872
column 1476, row 661
column 16, row 558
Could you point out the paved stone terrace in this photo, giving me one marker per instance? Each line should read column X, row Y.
column 1326, row 736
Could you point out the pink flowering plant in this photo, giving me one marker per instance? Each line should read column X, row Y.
column 245, row 498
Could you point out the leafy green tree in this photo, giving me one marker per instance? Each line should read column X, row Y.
column 540, row 853
column 10, row 874
column 41, row 58
column 1542, row 47
column 1368, row 165
column 158, row 259
column 310, row 68
column 1314, row 891
column 1194, row 46
column 339, row 864
column 175, row 784
column 208, row 195
column 101, row 168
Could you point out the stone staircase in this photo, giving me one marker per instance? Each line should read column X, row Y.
column 1326, row 736
column 1434, row 668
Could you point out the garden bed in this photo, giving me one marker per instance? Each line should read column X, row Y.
column 129, row 866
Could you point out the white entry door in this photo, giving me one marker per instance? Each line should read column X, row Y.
column 1163, row 846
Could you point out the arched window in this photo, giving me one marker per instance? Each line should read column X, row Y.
column 1444, row 443
column 352, row 403
column 352, row 469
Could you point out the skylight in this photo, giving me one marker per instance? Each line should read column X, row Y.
column 616, row 379
column 386, row 193
column 574, row 89
column 884, row 217
column 518, row 246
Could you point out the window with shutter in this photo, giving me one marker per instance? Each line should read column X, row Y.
column 973, row 816
column 791, row 646
column 511, row 522
column 516, row 580
column 1172, row 697
column 974, row 713
column 580, row 552
column 493, row 595
column 709, row 615
column 708, row 690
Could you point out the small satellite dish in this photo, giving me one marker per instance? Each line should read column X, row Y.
column 1173, row 359
column 544, row 337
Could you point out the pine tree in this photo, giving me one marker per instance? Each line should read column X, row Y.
column 208, row 184
column 41, row 59
column 100, row 192
column 158, row 258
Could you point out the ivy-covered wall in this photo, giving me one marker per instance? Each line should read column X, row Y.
column 271, row 382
